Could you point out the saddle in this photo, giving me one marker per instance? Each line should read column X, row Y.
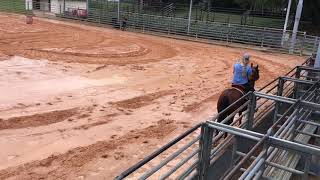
column 241, row 88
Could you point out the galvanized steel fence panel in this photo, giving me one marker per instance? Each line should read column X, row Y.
column 142, row 20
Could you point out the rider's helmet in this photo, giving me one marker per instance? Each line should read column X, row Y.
column 246, row 58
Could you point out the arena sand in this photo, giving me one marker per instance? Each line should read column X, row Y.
column 81, row 102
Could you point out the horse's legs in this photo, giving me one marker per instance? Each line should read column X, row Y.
column 229, row 122
column 240, row 119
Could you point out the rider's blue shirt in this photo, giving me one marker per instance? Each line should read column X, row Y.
column 238, row 77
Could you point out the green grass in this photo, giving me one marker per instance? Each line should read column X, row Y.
column 14, row 6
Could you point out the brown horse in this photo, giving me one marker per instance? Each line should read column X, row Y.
column 234, row 93
column 311, row 60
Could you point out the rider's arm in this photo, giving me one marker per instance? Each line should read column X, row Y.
column 234, row 67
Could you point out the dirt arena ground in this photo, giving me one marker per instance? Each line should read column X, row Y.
column 80, row 102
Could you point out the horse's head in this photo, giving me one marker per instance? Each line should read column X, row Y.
column 255, row 73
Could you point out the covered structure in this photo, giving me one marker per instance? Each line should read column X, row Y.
column 56, row 6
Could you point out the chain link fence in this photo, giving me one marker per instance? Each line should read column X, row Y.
column 161, row 21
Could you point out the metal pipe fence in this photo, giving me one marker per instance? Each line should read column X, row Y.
column 273, row 154
column 156, row 19
column 289, row 132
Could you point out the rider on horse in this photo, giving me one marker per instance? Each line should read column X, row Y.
column 241, row 73
column 244, row 78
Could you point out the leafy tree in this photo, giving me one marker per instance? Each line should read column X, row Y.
column 311, row 11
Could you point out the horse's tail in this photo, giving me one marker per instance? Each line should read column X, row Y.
column 223, row 103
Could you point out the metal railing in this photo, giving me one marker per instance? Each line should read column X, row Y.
column 140, row 20
column 272, row 153
column 297, row 91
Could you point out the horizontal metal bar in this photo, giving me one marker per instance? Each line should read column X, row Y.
column 253, row 165
column 226, row 127
column 240, row 118
column 309, row 134
column 286, row 78
column 240, row 99
column 294, row 146
column 311, row 90
column 255, row 169
column 289, row 122
column 234, row 132
column 310, row 77
column 156, row 153
column 310, row 105
column 258, row 175
column 243, row 169
column 284, row 116
column 276, row 98
column 288, row 100
column 294, row 171
column 308, row 68
column 234, row 112
column 275, row 165
column 246, row 157
column 167, row 160
column 188, row 171
column 307, row 144
column 275, row 80
column 220, row 147
column 309, row 122
column 181, row 163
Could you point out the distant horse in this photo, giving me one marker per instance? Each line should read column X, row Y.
column 311, row 60
column 234, row 93
column 310, row 75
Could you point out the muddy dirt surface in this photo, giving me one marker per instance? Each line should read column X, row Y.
column 81, row 102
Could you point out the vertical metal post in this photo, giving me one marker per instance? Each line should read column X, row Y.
column 298, row 73
column 296, row 26
column 295, row 84
column 234, row 150
column 307, row 162
column 302, row 43
column 316, row 94
column 286, row 22
column 317, row 62
column 189, row 19
column 205, row 149
column 265, row 156
column 143, row 28
column 280, row 87
column 251, row 109
column 88, row 7
column 140, row 6
column 295, row 127
column 64, row 6
column 279, row 93
column 169, row 24
column 119, row 12
column 228, row 33
column 262, row 39
column 315, row 45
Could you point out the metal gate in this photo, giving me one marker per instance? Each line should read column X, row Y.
column 278, row 138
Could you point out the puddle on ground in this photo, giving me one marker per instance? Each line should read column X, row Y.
column 25, row 80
